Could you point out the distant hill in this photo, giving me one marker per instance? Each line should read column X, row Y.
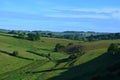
column 74, row 35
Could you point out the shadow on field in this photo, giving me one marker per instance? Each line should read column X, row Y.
column 54, row 68
column 58, row 62
column 35, row 72
column 10, row 54
column 69, row 63
column 44, row 49
column 96, row 69
column 40, row 54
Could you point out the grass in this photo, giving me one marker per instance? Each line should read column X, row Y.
column 9, row 63
column 87, row 71
column 40, row 68
column 10, row 44
column 99, row 44
column 90, row 55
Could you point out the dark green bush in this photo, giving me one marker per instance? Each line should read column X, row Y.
column 59, row 48
column 113, row 48
column 15, row 53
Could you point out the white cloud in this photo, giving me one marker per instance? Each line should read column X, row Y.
column 97, row 10
column 97, row 13
column 116, row 15
column 79, row 16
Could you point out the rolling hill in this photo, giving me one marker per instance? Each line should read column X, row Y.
column 31, row 65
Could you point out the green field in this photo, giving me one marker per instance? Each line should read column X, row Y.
column 30, row 66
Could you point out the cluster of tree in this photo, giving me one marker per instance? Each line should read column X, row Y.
column 72, row 37
column 50, row 34
column 12, row 32
column 59, row 48
column 33, row 36
column 79, row 32
column 22, row 35
column 113, row 48
column 104, row 37
column 73, row 50
column 29, row 36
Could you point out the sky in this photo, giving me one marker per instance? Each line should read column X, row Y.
column 60, row 15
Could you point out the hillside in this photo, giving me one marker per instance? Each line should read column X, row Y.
column 32, row 66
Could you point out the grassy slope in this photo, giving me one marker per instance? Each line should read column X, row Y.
column 48, row 69
column 45, row 69
column 9, row 44
column 96, row 69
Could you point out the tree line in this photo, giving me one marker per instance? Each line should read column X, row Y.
column 73, row 36
column 29, row 36
column 110, row 36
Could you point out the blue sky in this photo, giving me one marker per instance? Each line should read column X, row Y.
column 60, row 15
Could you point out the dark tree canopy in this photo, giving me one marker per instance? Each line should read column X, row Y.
column 113, row 48
column 15, row 53
column 109, row 36
column 22, row 35
column 75, row 49
column 33, row 36
column 12, row 32
column 59, row 48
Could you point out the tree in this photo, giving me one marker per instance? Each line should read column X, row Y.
column 77, row 37
column 37, row 36
column 15, row 53
column 113, row 48
column 75, row 51
column 12, row 32
column 22, row 35
column 50, row 34
column 59, row 48
column 109, row 36
column 33, row 36
column 68, row 37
